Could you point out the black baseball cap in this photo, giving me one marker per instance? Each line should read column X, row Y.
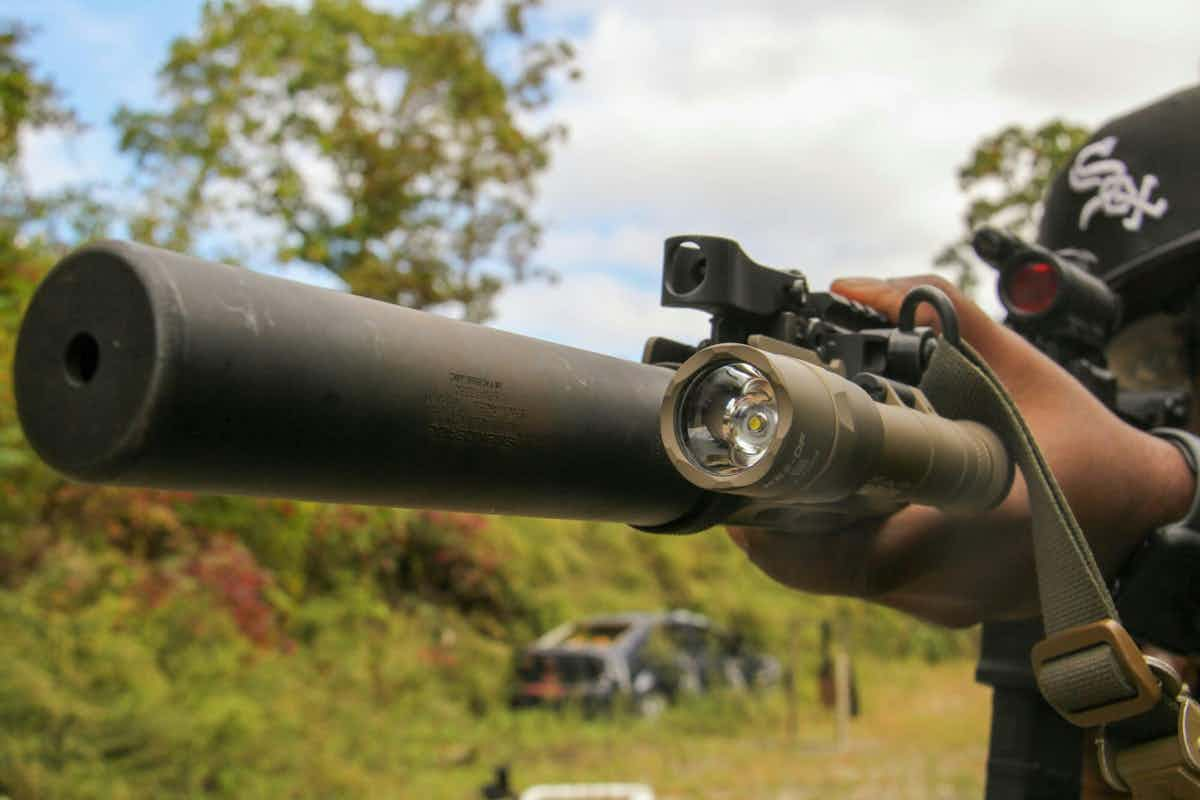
column 1131, row 197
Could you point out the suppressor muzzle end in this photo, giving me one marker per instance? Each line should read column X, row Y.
column 88, row 362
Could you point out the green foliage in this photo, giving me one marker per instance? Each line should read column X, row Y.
column 31, row 225
column 150, row 650
column 24, row 480
column 113, row 688
column 387, row 146
column 1004, row 180
column 26, row 101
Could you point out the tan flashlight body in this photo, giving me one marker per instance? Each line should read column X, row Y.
column 834, row 442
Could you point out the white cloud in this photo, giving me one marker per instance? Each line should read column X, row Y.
column 577, row 246
column 52, row 160
column 597, row 312
column 823, row 136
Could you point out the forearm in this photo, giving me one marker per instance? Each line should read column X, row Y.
column 1158, row 491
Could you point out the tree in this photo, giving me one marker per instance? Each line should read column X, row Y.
column 399, row 151
column 27, row 103
column 1005, row 179
column 35, row 227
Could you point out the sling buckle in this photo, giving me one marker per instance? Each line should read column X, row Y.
column 1144, row 690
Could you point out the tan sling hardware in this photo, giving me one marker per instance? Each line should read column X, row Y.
column 1166, row 767
column 1060, row 651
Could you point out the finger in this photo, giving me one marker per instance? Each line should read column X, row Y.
column 887, row 296
column 848, row 563
column 1007, row 352
column 824, row 563
column 737, row 536
column 871, row 558
column 918, row 560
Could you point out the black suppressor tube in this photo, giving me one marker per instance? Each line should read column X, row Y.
column 139, row 366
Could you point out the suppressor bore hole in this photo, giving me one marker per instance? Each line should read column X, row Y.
column 82, row 359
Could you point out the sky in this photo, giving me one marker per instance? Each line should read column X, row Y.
column 823, row 136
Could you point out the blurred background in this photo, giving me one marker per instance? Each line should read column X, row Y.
column 516, row 164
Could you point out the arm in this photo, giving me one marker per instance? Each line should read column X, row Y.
column 958, row 570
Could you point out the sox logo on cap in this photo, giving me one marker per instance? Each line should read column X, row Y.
column 1117, row 194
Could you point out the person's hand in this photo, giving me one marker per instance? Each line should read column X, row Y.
column 962, row 569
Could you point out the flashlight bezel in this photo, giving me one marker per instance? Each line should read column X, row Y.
column 685, row 418
column 672, row 421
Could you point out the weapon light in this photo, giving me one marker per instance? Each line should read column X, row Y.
column 774, row 426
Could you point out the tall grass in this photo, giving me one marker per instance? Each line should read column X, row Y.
column 168, row 645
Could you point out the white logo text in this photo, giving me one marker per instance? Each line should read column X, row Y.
column 1117, row 194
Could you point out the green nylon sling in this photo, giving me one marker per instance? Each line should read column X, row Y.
column 1088, row 668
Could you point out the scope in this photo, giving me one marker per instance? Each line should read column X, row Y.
column 1053, row 293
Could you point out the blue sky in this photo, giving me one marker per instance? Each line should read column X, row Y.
column 822, row 135
column 103, row 52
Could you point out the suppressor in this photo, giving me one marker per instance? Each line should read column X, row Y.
column 140, row 366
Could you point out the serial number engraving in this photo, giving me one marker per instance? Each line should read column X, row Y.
column 473, row 410
column 462, row 379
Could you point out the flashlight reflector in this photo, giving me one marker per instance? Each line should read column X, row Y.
column 728, row 417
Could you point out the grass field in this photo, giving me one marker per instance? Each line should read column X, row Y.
column 374, row 659
column 922, row 734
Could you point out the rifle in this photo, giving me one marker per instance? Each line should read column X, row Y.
column 140, row 366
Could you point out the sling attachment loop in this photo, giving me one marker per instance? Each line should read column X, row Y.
column 947, row 315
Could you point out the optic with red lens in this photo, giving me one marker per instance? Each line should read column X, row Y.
column 1031, row 288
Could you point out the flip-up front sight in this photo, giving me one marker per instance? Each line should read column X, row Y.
column 713, row 274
